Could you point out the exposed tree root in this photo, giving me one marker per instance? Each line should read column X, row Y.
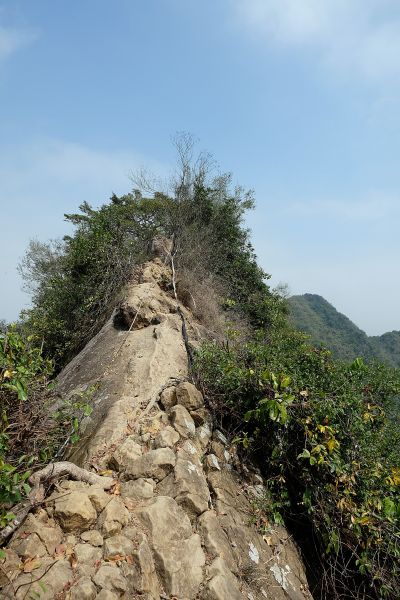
column 48, row 475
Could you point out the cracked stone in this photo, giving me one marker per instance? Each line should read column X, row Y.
column 138, row 489
column 168, row 397
column 28, row 547
column 109, row 577
column 167, row 438
column 74, row 511
column 117, row 545
column 182, row 421
column 84, row 589
column 93, row 537
column 113, row 518
column 165, row 520
column 155, row 464
column 127, row 453
column 189, row 396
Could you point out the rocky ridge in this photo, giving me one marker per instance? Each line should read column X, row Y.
column 183, row 519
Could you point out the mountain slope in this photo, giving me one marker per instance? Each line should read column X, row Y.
column 312, row 314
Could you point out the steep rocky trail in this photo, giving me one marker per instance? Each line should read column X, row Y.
column 182, row 520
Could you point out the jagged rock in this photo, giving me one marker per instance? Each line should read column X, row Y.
column 93, row 537
column 138, row 489
column 74, row 511
column 113, row 517
column 189, row 396
column 211, row 463
column 203, row 437
column 47, row 530
column 107, row 595
column 180, row 566
column 165, row 520
column 109, row 577
column 29, row 546
column 144, row 570
column 84, row 589
column 117, row 545
column 98, row 497
column 9, row 565
column 168, row 398
column 155, row 464
column 126, row 454
column 53, row 579
column 223, row 585
column 86, row 553
column 191, row 489
column 167, row 438
column 218, row 436
column 220, row 451
column 182, row 421
column 201, row 416
column 215, row 539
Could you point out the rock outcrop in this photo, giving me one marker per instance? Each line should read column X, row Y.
column 181, row 521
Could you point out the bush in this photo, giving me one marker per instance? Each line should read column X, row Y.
column 325, row 435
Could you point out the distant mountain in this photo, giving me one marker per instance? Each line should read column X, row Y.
column 314, row 315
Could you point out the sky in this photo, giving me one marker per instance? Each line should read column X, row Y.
column 299, row 99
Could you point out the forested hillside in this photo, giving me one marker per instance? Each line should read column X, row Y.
column 315, row 316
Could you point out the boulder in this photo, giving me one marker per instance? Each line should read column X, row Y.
column 167, row 438
column 180, row 566
column 98, row 497
column 144, row 570
column 109, row 577
column 127, row 453
column 215, row 539
column 168, row 397
column 27, row 547
column 74, row 511
column 93, row 537
column 138, row 489
column 87, row 554
column 165, row 520
column 155, row 464
column 84, row 589
column 182, row 421
column 47, row 529
column 113, row 518
column 117, row 545
column 188, row 396
column 223, row 585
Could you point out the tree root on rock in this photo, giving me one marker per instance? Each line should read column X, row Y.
column 48, row 475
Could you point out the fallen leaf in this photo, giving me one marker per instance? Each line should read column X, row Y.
column 30, row 564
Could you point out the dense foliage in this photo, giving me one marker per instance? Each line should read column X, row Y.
column 23, row 381
column 327, row 437
column 314, row 315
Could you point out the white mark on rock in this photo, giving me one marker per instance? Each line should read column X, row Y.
column 214, row 461
column 227, row 455
column 221, row 437
column 192, row 468
column 280, row 574
column 253, row 553
column 190, row 426
column 191, row 448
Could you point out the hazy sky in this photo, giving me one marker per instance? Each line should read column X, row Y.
column 298, row 98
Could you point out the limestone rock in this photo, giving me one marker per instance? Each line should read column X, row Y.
column 189, row 396
column 113, row 517
column 168, row 397
column 138, row 489
column 29, row 546
column 167, row 438
column 93, row 537
column 98, row 497
column 201, row 416
column 109, row 577
column 47, row 530
column 84, row 589
column 74, row 511
column 191, row 489
column 180, row 566
column 9, row 564
column 144, row 577
column 128, row 452
column 165, row 520
column 107, row 595
column 223, row 585
column 87, row 554
column 182, row 421
column 155, row 464
column 211, row 463
column 202, row 437
column 117, row 545
column 215, row 539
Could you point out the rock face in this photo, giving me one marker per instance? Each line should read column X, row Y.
column 177, row 523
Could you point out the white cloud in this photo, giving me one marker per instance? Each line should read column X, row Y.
column 359, row 37
column 372, row 208
column 12, row 40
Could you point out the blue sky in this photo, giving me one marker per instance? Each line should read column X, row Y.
column 299, row 99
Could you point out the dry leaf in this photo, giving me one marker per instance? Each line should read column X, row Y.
column 30, row 564
column 117, row 489
column 73, row 561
